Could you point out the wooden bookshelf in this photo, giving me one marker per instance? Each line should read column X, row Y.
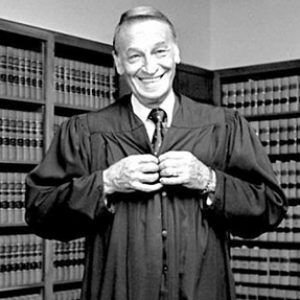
column 268, row 96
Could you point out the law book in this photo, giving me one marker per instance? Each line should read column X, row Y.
column 274, row 266
column 298, row 135
column 261, row 96
column 284, row 266
column 21, row 57
column 247, row 98
column 239, row 105
column 294, row 255
column 274, row 137
column 254, row 97
column 298, row 179
column 292, row 135
column 3, row 70
column 296, row 223
column 283, row 136
column 284, row 92
column 269, row 96
column 59, row 80
column 10, row 70
column 27, row 74
column 264, row 134
column 294, row 93
column 285, row 177
column 292, row 175
column 39, row 76
column 276, row 95
column 289, row 235
column 232, row 96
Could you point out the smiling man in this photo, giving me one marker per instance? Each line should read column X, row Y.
column 155, row 182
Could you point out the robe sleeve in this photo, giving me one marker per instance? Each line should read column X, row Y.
column 63, row 199
column 248, row 199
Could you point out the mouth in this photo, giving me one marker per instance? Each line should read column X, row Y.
column 152, row 79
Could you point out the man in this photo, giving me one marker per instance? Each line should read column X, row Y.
column 156, row 220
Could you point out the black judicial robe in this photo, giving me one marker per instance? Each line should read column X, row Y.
column 163, row 245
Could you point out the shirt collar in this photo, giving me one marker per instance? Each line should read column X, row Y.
column 143, row 112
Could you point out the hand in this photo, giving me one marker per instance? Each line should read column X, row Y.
column 182, row 167
column 132, row 173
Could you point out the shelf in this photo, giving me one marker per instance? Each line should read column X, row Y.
column 68, row 110
column 264, row 244
column 270, row 285
column 284, row 157
column 26, row 288
column 14, row 229
column 274, row 116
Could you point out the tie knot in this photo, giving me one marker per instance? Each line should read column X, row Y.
column 157, row 115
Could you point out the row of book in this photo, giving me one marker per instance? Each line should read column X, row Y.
column 21, row 73
column 69, row 260
column 288, row 176
column 20, row 260
column 12, row 198
column 21, row 135
column 83, row 84
column 24, row 297
column 244, row 292
column 275, row 267
column 264, row 96
column 68, row 295
column 279, row 136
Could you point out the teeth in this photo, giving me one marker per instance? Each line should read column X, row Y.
column 152, row 79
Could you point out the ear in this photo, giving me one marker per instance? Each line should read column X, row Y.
column 177, row 54
column 118, row 63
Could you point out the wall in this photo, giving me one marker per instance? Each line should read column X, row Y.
column 96, row 20
column 213, row 34
column 254, row 32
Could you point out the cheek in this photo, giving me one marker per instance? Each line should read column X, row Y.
column 132, row 69
column 167, row 63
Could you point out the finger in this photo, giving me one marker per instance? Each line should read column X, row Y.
column 171, row 180
column 170, row 172
column 169, row 163
column 149, row 167
column 149, row 178
column 143, row 187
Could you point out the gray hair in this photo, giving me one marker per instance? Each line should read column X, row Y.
column 141, row 13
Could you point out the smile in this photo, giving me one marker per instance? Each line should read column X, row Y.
column 151, row 79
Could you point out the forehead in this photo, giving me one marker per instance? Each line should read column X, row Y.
column 144, row 33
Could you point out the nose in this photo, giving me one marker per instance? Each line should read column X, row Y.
column 150, row 66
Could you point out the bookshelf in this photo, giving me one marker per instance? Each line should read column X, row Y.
column 46, row 77
column 268, row 96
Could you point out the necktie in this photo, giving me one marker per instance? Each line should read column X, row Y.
column 159, row 118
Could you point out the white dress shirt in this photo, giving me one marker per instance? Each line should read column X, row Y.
column 143, row 112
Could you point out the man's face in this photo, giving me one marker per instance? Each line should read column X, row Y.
column 147, row 56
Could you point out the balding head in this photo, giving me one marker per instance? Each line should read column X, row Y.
column 141, row 13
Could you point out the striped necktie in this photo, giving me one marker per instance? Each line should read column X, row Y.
column 159, row 118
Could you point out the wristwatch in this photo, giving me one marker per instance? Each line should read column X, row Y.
column 210, row 186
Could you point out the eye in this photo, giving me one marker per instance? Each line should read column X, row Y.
column 133, row 57
column 161, row 52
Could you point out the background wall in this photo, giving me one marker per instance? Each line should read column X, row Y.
column 213, row 34
column 96, row 20
column 253, row 32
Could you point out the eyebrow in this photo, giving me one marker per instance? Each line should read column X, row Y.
column 159, row 44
